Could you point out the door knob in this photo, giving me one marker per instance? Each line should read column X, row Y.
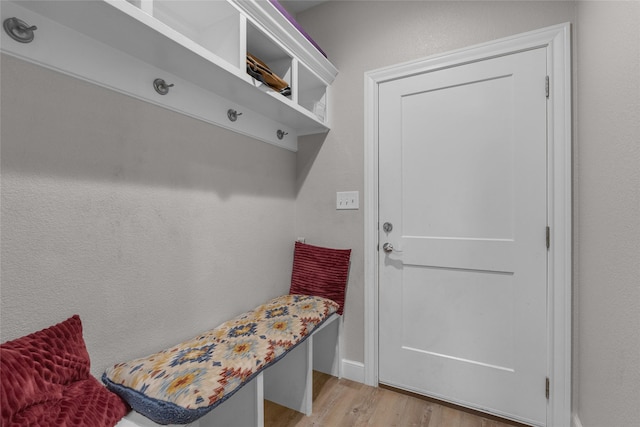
column 387, row 247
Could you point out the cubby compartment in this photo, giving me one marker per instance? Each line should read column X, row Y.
column 268, row 51
column 214, row 25
column 312, row 93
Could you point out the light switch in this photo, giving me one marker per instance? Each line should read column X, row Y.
column 347, row 200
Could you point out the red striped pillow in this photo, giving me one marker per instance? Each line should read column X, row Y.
column 320, row 272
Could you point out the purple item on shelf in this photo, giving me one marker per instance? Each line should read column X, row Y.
column 291, row 19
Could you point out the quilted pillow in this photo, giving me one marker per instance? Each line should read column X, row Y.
column 45, row 381
column 320, row 272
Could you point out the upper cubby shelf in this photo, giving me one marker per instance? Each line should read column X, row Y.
column 198, row 46
column 214, row 25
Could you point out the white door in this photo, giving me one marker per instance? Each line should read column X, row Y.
column 462, row 181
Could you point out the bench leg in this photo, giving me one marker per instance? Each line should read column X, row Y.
column 327, row 357
column 243, row 409
column 290, row 381
column 134, row 419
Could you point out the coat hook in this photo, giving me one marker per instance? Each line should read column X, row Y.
column 233, row 114
column 280, row 133
column 19, row 30
column 161, row 86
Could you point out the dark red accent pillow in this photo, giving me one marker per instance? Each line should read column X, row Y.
column 320, row 272
column 45, row 380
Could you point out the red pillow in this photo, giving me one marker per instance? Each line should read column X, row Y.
column 320, row 272
column 45, row 380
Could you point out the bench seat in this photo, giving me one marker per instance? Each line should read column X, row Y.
column 185, row 382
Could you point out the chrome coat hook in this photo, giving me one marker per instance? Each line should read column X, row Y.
column 19, row 30
column 233, row 114
column 161, row 86
column 280, row 133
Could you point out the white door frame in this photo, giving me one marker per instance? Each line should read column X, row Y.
column 558, row 43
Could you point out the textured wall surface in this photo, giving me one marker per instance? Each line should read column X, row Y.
column 365, row 35
column 607, row 215
column 150, row 225
column 361, row 36
column 153, row 226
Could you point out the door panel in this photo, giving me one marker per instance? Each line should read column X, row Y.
column 462, row 312
column 486, row 300
column 479, row 195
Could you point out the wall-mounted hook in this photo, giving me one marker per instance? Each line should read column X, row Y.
column 161, row 86
column 280, row 133
column 19, row 30
column 233, row 114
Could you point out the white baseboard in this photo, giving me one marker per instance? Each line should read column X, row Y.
column 353, row 371
column 575, row 421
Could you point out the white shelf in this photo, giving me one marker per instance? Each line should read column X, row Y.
column 214, row 25
column 199, row 46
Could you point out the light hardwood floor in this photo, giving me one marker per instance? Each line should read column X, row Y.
column 344, row 403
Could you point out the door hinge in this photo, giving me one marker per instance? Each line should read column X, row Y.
column 546, row 388
column 546, row 86
column 548, row 237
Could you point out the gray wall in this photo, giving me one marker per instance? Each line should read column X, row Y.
column 150, row 225
column 363, row 35
column 607, row 217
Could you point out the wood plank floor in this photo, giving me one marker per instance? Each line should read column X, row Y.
column 344, row 403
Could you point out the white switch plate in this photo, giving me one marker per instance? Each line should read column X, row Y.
column 347, row 200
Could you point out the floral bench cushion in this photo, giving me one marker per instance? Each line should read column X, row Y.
column 183, row 383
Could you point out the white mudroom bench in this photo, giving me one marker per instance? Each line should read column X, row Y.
column 288, row 382
column 222, row 376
